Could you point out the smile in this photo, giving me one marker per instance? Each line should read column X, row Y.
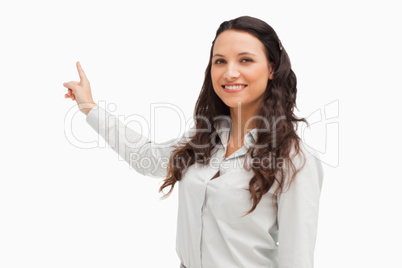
column 233, row 88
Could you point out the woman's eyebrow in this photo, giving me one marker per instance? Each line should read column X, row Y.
column 246, row 53
column 240, row 54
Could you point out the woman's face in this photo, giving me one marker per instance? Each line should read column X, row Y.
column 240, row 69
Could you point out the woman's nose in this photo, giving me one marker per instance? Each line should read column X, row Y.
column 231, row 73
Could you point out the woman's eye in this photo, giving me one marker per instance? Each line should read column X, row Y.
column 246, row 60
column 219, row 61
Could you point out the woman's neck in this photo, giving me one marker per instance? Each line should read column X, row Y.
column 242, row 121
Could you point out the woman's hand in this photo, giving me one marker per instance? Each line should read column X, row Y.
column 80, row 91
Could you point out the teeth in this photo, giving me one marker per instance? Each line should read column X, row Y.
column 234, row 87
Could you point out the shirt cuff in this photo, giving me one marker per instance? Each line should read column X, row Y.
column 95, row 117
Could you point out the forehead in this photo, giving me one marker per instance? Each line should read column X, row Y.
column 232, row 41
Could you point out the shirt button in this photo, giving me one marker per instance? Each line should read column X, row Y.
column 277, row 243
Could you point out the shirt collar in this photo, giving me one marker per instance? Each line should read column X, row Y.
column 224, row 126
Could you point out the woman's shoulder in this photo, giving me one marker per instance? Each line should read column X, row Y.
column 307, row 164
column 301, row 154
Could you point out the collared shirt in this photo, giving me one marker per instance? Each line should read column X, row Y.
column 211, row 229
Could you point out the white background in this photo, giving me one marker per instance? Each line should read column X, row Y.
column 62, row 205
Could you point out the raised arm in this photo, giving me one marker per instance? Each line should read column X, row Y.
column 136, row 149
column 298, row 215
column 141, row 153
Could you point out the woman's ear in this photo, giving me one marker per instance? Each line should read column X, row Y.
column 271, row 72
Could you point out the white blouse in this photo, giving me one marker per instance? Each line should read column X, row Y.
column 211, row 232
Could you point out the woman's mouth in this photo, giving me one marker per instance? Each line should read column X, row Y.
column 233, row 87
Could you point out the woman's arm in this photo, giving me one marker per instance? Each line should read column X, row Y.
column 298, row 215
column 140, row 152
column 144, row 156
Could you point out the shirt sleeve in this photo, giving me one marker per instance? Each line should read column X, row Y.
column 146, row 157
column 298, row 208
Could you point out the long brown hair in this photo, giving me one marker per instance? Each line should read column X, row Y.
column 279, row 103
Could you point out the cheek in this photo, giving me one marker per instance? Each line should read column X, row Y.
column 260, row 77
column 215, row 76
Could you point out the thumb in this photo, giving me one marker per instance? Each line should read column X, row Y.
column 72, row 85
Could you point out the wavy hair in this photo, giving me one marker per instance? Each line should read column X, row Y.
column 277, row 109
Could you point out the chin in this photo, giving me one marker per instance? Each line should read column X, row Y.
column 233, row 103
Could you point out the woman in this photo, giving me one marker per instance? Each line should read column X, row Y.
column 249, row 192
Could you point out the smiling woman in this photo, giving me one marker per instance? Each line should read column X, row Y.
column 249, row 191
column 240, row 78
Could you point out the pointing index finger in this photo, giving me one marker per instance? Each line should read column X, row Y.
column 81, row 73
